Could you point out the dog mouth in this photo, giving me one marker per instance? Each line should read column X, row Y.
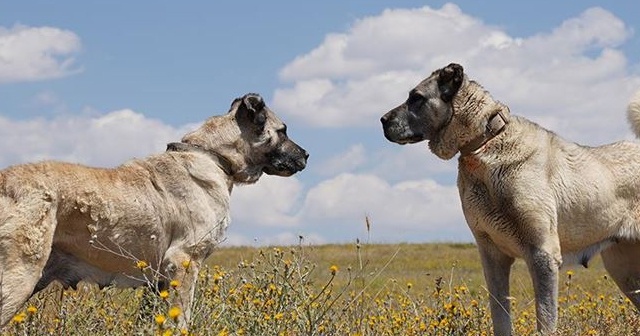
column 286, row 165
column 403, row 137
column 285, row 168
column 410, row 140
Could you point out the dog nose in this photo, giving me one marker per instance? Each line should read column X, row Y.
column 387, row 120
column 301, row 163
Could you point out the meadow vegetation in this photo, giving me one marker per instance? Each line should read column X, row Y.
column 346, row 289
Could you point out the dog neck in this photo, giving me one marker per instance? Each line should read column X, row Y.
column 495, row 125
column 220, row 160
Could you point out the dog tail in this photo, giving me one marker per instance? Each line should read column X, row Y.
column 633, row 113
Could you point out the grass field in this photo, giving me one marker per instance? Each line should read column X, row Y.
column 349, row 289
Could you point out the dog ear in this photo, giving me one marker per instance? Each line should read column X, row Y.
column 449, row 81
column 255, row 108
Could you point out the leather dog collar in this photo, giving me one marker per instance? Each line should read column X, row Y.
column 220, row 160
column 495, row 125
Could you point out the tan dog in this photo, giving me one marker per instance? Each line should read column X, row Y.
column 526, row 192
column 67, row 222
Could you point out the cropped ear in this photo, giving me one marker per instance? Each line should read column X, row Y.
column 449, row 81
column 254, row 107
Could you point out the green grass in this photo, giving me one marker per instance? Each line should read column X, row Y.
column 349, row 289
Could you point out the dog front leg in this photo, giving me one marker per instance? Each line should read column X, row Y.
column 544, row 266
column 497, row 268
column 181, row 271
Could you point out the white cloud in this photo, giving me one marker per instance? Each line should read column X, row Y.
column 270, row 202
column 37, row 53
column 105, row 140
column 573, row 77
column 409, row 162
column 354, row 157
column 334, row 210
column 396, row 40
column 408, row 204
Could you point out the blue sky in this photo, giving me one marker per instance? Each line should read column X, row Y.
column 99, row 83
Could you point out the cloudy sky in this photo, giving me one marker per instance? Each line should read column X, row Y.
column 98, row 83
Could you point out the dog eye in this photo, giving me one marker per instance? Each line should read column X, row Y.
column 415, row 98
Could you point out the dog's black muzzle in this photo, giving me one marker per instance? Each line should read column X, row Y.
column 398, row 126
column 286, row 160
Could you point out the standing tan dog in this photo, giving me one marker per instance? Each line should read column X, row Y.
column 165, row 213
column 526, row 192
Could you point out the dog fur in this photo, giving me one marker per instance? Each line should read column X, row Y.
column 68, row 222
column 526, row 192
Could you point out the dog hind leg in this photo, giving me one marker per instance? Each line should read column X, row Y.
column 16, row 287
column 622, row 261
column 26, row 235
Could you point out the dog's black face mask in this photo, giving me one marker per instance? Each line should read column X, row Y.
column 286, row 159
column 273, row 151
column 248, row 141
column 427, row 110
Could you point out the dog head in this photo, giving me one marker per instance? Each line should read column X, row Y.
column 252, row 139
column 427, row 110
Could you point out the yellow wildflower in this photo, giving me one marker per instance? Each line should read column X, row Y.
column 141, row 264
column 19, row 318
column 569, row 276
column 333, row 269
column 174, row 312
column 449, row 307
column 174, row 283
column 32, row 310
column 164, row 294
column 160, row 319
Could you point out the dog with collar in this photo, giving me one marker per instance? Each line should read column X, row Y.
column 528, row 193
column 149, row 220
